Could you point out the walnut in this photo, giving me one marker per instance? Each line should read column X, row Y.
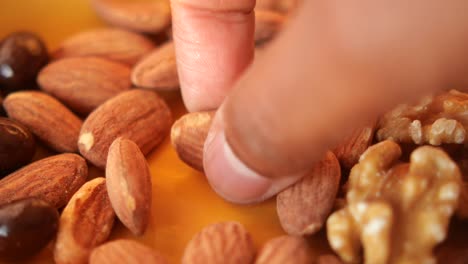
column 436, row 120
column 396, row 211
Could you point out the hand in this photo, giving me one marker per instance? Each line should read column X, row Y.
column 337, row 65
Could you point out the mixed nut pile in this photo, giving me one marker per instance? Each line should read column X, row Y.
column 377, row 206
column 94, row 101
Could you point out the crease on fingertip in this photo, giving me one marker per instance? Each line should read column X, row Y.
column 230, row 178
column 226, row 174
column 238, row 165
column 217, row 129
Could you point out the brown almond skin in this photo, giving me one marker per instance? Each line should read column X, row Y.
column 85, row 223
column 54, row 179
column 124, row 251
column 46, row 117
column 304, row 207
column 145, row 17
column 158, row 70
column 129, row 185
column 188, row 135
column 84, row 83
column 349, row 152
column 223, row 243
column 285, row 250
column 110, row 43
column 267, row 25
column 138, row 115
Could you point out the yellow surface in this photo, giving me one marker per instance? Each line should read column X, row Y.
column 183, row 202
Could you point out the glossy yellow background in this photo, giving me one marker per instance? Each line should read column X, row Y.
column 183, row 202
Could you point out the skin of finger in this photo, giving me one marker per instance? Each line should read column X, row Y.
column 229, row 177
column 337, row 66
column 214, row 44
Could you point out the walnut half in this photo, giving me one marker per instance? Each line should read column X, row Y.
column 437, row 120
column 397, row 212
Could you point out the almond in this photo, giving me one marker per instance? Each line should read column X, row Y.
column 124, row 251
column 46, row 117
column 223, row 243
column 113, row 44
column 54, row 179
column 188, row 135
column 304, row 207
column 267, row 25
column 85, row 223
column 138, row 115
column 285, row 250
column 349, row 152
column 129, row 184
column 145, row 17
column 158, row 70
column 84, row 83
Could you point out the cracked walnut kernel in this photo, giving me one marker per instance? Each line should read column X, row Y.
column 435, row 120
column 396, row 211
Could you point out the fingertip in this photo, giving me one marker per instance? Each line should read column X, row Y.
column 214, row 43
column 231, row 178
column 228, row 177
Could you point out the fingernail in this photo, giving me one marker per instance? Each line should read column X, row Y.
column 230, row 177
